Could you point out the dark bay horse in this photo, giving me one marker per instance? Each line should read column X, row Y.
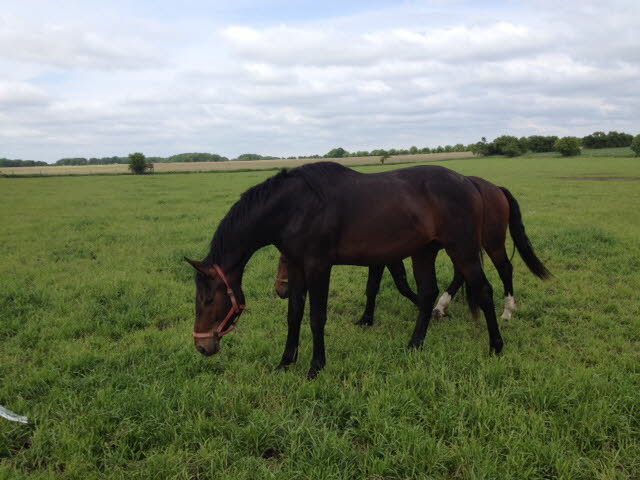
column 501, row 210
column 325, row 214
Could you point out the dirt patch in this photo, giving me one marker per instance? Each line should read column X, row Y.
column 602, row 179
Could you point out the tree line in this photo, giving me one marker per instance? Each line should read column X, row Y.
column 5, row 162
column 181, row 157
column 504, row 145
column 567, row 146
column 342, row 153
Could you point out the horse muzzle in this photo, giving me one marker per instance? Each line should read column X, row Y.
column 207, row 346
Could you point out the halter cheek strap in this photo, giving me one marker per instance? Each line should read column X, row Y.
column 235, row 311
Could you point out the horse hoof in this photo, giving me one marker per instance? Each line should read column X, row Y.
column 413, row 345
column 312, row 374
column 283, row 367
column 496, row 349
column 365, row 322
column 438, row 314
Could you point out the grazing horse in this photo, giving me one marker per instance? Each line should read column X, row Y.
column 325, row 214
column 501, row 210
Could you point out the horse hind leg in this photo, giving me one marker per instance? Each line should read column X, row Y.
column 480, row 293
column 440, row 310
column 505, row 270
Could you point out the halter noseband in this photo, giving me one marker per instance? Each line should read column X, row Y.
column 235, row 311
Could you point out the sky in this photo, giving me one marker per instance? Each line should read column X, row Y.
column 94, row 78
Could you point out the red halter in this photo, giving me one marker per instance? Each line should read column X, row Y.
column 235, row 311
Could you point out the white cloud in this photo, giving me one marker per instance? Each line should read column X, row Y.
column 20, row 94
column 420, row 74
column 74, row 47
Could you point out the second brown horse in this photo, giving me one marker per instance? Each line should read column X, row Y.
column 501, row 210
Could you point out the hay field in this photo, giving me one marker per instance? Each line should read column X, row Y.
column 226, row 166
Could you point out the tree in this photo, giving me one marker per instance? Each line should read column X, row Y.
column 197, row 157
column 568, row 146
column 254, row 156
column 612, row 139
column 337, row 153
column 539, row 143
column 138, row 163
column 511, row 148
column 481, row 148
column 5, row 162
column 595, row 140
column 508, row 143
column 635, row 145
column 72, row 161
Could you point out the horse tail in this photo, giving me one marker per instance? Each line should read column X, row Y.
column 472, row 302
column 520, row 239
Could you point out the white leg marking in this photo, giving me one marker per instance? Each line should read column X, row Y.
column 442, row 305
column 509, row 307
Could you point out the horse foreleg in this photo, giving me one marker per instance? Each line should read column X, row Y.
column 480, row 293
column 297, row 298
column 373, row 286
column 318, row 282
column 424, row 270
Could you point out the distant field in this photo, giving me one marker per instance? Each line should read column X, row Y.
column 226, row 166
column 617, row 152
column 97, row 310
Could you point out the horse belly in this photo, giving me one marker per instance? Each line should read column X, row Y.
column 383, row 238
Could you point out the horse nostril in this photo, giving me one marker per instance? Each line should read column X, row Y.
column 201, row 350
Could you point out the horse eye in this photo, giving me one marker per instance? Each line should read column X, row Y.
column 208, row 301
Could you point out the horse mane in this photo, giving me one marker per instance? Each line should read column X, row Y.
column 240, row 211
column 319, row 177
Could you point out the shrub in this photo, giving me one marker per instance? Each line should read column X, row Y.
column 568, row 146
column 137, row 163
column 510, row 144
column 539, row 143
column 481, row 148
column 612, row 139
column 511, row 148
column 635, row 145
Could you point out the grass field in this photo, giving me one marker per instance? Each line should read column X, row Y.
column 96, row 314
column 225, row 166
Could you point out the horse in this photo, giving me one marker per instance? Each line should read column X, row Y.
column 501, row 210
column 325, row 214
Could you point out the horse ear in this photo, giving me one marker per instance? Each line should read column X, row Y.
column 201, row 267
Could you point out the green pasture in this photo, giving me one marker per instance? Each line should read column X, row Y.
column 96, row 314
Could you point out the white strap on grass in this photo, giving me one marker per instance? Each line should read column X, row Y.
column 9, row 415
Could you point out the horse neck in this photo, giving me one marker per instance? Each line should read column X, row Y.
column 244, row 240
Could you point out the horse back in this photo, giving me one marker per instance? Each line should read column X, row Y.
column 495, row 213
column 388, row 216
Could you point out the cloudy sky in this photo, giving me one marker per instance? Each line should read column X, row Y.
column 282, row 77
